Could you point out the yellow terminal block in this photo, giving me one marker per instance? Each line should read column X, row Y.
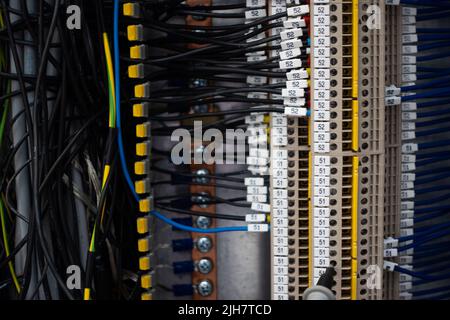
column 142, row 90
column 131, row 10
column 136, row 71
column 146, row 296
column 144, row 263
column 143, row 245
column 142, row 225
column 140, row 110
column 143, row 130
column 135, row 32
column 145, row 205
column 138, row 52
column 142, row 149
column 141, row 167
column 146, row 281
column 142, row 186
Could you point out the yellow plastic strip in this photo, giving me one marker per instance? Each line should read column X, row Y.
column 355, row 75
column 87, row 294
column 354, row 251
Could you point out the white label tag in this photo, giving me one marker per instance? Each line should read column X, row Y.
column 258, row 227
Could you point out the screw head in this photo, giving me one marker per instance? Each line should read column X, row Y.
column 204, row 244
column 205, row 288
column 203, row 222
column 200, row 176
column 204, row 265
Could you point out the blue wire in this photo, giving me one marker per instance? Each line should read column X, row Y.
column 431, row 209
column 430, row 216
column 430, row 291
column 432, row 56
column 432, row 37
column 430, row 161
column 432, row 189
column 428, row 94
column 419, row 233
column 432, row 179
column 433, row 113
column 428, row 155
column 434, row 200
column 433, row 30
column 439, row 170
column 434, row 144
column 424, row 240
column 121, row 146
column 426, row 85
column 420, row 124
column 191, row 229
column 432, row 131
column 438, row 15
column 432, row 103
column 430, row 46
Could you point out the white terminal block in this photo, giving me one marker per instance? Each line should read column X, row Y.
column 409, row 49
column 257, row 190
column 408, row 20
column 294, row 102
column 255, row 3
column 290, row 45
column 254, row 181
column 261, row 207
column 297, row 75
column 259, row 198
column 409, row 29
column 255, row 217
column 407, row 205
column 295, row 112
column 290, row 64
column 255, row 14
column 409, row 106
column 406, row 223
column 409, row 59
column 291, row 34
column 408, row 126
column 258, row 227
column 409, row 11
column 280, row 183
column 408, row 167
column 406, row 232
column 407, row 214
column 409, row 78
column 407, row 194
column 407, row 185
column 390, row 243
column 410, row 148
column 294, row 23
column 406, row 177
column 409, row 116
column 280, row 213
column 297, row 84
column 298, row 10
column 410, row 38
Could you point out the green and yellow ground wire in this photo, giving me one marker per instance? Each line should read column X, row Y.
column 107, row 167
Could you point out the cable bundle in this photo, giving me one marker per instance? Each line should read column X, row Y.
column 424, row 221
